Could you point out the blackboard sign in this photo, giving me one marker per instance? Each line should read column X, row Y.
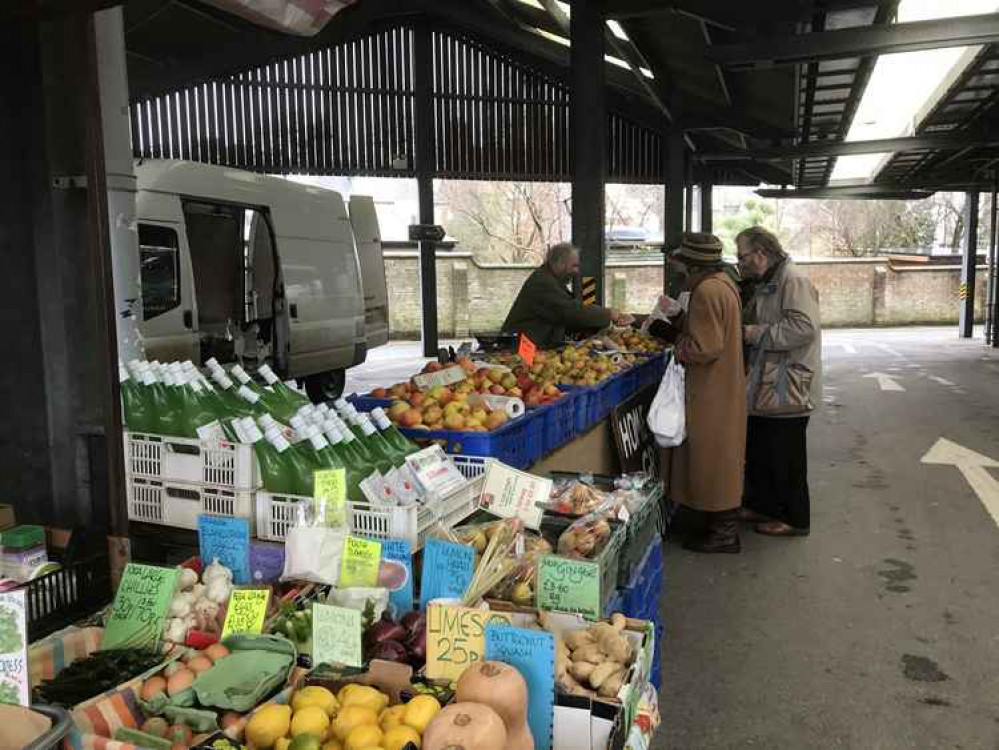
column 636, row 446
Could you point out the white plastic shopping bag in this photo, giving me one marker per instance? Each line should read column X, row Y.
column 668, row 414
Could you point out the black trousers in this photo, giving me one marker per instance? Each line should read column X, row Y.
column 777, row 469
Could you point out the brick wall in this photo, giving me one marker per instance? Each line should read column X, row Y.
column 472, row 296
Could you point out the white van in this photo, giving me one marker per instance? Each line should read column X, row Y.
column 242, row 266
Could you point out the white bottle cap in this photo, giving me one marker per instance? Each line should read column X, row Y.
column 267, row 374
column 316, row 438
column 240, row 374
column 213, row 364
column 195, row 385
column 250, row 431
column 323, row 409
column 275, row 438
column 332, row 432
column 247, row 394
column 299, row 423
column 366, row 427
column 381, row 419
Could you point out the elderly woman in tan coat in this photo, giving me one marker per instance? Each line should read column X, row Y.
column 784, row 333
column 707, row 469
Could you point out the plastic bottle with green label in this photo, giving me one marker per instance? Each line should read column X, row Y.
column 391, row 433
column 377, row 444
column 365, row 456
column 160, row 414
column 289, row 395
column 136, row 411
column 296, row 471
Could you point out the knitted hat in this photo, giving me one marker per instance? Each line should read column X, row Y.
column 699, row 248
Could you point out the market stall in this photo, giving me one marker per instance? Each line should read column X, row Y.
column 355, row 584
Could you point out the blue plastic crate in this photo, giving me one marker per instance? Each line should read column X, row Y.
column 558, row 423
column 518, row 443
column 367, row 403
column 585, row 406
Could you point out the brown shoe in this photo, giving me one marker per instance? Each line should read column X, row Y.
column 747, row 515
column 722, row 535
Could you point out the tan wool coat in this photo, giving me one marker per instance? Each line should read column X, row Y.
column 706, row 471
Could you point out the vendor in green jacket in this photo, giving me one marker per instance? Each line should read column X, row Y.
column 545, row 310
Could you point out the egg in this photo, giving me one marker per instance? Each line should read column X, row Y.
column 200, row 664
column 191, row 655
column 172, row 668
column 180, row 682
column 216, row 651
column 152, row 687
column 230, row 718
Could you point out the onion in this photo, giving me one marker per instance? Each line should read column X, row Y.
column 417, row 646
column 389, row 651
column 413, row 618
column 386, row 630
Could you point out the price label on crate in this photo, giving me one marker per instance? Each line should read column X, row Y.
column 456, row 637
column 566, row 585
column 331, row 485
column 336, row 635
column 140, row 608
column 526, row 349
column 359, row 564
column 14, row 681
column 444, row 377
column 228, row 541
column 246, row 612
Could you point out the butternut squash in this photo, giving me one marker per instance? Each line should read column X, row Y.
column 502, row 688
column 466, row 726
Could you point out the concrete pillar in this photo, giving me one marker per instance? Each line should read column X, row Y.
column 123, row 232
column 588, row 117
column 966, row 320
column 424, row 162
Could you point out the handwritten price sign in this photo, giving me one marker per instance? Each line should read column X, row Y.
column 566, row 585
column 247, row 609
column 456, row 637
column 447, row 570
column 140, row 607
column 228, row 541
column 359, row 564
column 336, row 636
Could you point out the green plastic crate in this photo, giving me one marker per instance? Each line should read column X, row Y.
column 640, row 531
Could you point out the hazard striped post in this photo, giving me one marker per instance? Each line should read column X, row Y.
column 588, row 290
column 966, row 291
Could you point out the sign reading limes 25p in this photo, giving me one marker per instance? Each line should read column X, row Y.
column 456, row 637
column 140, row 607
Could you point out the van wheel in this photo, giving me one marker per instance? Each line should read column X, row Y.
column 326, row 386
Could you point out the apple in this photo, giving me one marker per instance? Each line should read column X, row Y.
column 399, row 391
column 471, row 423
column 495, row 420
column 509, row 381
column 551, row 390
column 479, row 415
column 433, row 367
column 466, row 364
column 495, row 375
column 432, row 415
column 379, row 393
column 445, row 397
column 417, row 398
column 514, row 392
column 454, row 421
column 396, row 409
column 533, row 398
column 497, row 390
column 411, row 418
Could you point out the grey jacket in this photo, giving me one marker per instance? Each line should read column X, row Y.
column 788, row 305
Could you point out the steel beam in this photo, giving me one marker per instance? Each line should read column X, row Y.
column 588, row 115
column 424, row 162
column 960, row 140
column 873, row 192
column 720, row 12
column 676, row 171
column 966, row 322
column 879, row 39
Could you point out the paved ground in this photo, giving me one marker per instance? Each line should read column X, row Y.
column 881, row 630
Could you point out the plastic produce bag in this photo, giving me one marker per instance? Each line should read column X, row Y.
column 668, row 414
column 312, row 550
column 588, row 535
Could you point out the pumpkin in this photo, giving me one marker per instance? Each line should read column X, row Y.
column 466, row 726
column 503, row 689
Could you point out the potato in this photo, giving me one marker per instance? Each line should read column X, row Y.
column 578, row 639
column 581, row 670
column 610, row 687
column 599, row 631
column 591, row 653
column 616, row 647
column 602, row 672
column 619, row 621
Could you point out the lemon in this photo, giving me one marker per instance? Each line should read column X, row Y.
column 268, row 725
column 363, row 695
column 333, row 744
column 283, row 743
column 305, row 742
column 391, row 717
column 419, row 711
column 397, row 737
column 366, row 735
column 310, row 720
column 314, row 695
column 351, row 717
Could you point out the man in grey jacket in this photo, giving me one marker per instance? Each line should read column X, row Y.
column 783, row 331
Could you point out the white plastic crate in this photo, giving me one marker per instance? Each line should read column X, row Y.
column 179, row 505
column 276, row 514
column 176, row 459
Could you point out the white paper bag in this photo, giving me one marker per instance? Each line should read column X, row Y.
column 668, row 414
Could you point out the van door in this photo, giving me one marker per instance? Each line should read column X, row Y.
column 364, row 223
column 169, row 310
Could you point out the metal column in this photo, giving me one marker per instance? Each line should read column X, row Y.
column 688, row 191
column 992, row 294
column 588, row 126
column 675, row 178
column 967, row 289
column 424, row 162
column 707, row 208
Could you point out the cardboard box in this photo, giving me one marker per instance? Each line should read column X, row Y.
column 7, row 516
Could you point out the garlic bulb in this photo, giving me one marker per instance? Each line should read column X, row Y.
column 176, row 630
column 188, row 578
column 216, row 571
column 218, row 590
column 180, row 606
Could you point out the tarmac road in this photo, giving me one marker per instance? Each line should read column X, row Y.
column 880, row 631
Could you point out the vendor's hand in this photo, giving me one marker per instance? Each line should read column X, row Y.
column 681, row 350
column 753, row 334
column 669, row 306
column 622, row 318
